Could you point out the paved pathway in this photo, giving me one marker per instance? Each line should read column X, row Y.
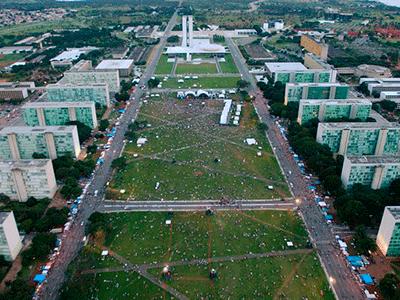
column 188, row 205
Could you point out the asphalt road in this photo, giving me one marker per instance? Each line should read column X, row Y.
column 72, row 240
column 342, row 280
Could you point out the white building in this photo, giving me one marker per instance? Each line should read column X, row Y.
column 191, row 45
column 124, row 66
column 66, row 58
column 10, row 240
column 388, row 238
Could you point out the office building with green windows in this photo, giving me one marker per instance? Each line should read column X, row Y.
column 326, row 110
column 83, row 73
column 388, row 238
column 21, row 142
column 294, row 92
column 95, row 92
column 294, row 72
column 372, row 138
column 21, row 179
column 374, row 171
column 59, row 113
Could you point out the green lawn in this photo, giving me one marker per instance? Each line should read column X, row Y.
column 117, row 286
column 200, row 68
column 289, row 277
column 143, row 237
column 229, row 65
column 202, row 82
column 163, row 66
column 181, row 156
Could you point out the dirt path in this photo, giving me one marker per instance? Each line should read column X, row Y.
column 266, row 223
column 289, row 278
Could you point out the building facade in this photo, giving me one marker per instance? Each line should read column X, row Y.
column 52, row 141
column 294, row 92
column 315, row 47
column 97, row 92
column 297, row 73
column 377, row 85
column 388, row 238
column 22, row 179
column 370, row 138
column 89, row 77
column 374, row 171
column 59, row 113
column 15, row 90
column 10, row 240
column 326, row 110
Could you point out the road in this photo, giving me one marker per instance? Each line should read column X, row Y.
column 190, row 205
column 72, row 240
column 342, row 280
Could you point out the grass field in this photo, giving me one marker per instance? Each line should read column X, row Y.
column 290, row 277
column 201, row 68
column 163, row 66
column 143, row 239
column 229, row 65
column 192, row 157
column 202, row 82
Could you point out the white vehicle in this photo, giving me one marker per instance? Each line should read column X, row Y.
column 96, row 192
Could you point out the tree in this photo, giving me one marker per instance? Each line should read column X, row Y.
column 153, row 83
column 84, row 131
column 119, row 162
column 103, row 125
column 37, row 155
column 123, row 96
column 41, row 245
column 389, row 286
column 19, row 289
column 92, row 149
column 388, row 105
column 362, row 242
column 353, row 213
column 242, row 84
column 173, row 39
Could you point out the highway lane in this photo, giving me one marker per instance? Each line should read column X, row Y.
column 341, row 279
column 72, row 240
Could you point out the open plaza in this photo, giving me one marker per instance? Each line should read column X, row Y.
column 165, row 255
column 188, row 155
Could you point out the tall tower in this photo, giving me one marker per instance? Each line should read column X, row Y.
column 184, row 31
column 190, row 31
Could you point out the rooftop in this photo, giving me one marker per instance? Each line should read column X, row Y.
column 4, row 215
column 78, row 85
column 374, row 160
column 23, row 163
column 334, row 102
column 395, row 211
column 36, row 129
column 198, row 46
column 324, row 84
column 359, row 125
column 285, row 66
column 72, row 54
column 58, row 104
column 114, row 64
